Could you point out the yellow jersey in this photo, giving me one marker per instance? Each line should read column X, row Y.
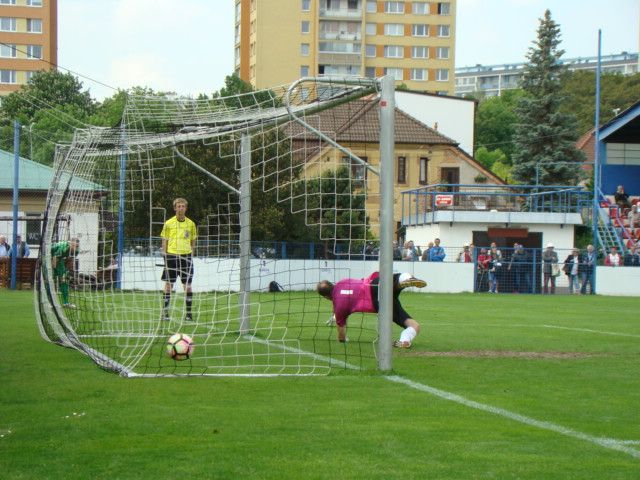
column 179, row 235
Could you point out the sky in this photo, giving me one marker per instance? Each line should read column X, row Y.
column 186, row 46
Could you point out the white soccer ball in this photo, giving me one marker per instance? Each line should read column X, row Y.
column 179, row 346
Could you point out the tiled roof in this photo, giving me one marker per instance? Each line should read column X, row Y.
column 359, row 121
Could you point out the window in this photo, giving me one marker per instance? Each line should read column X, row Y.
column 306, row 5
column 238, row 10
column 8, row 51
column 29, row 74
column 304, row 49
column 370, row 72
column 419, row 52
column 420, row 8
column 442, row 52
column 396, row 73
column 370, row 29
column 34, row 51
column 443, row 30
column 444, row 8
column 393, row 7
column 34, row 3
column 419, row 74
column 424, row 164
column 393, row 51
column 304, row 70
column 306, row 28
column 237, row 34
column 358, row 171
column 33, row 228
column 7, row 24
column 420, row 30
column 34, row 25
column 370, row 50
column 442, row 75
column 395, row 29
column 7, row 2
column 7, row 76
column 402, row 169
column 352, row 4
column 372, row 6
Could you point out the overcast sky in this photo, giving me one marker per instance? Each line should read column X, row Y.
column 186, row 46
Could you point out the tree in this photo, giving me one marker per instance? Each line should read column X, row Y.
column 545, row 137
column 495, row 122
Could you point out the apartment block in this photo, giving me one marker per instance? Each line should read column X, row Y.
column 28, row 40
column 279, row 41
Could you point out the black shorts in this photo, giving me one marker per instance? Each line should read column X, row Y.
column 178, row 266
column 399, row 314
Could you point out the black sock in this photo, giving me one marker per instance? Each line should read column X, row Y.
column 188, row 302
column 167, row 300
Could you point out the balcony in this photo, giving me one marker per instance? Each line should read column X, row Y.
column 340, row 13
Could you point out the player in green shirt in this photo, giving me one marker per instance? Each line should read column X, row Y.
column 59, row 253
column 178, row 241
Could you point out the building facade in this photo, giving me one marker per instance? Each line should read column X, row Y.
column 28, row 40
column 491, row 80
column 279, row 41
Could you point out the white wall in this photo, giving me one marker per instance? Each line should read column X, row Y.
column 618, row 281
column 454, row 116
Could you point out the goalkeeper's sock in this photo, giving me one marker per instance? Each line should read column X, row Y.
column 167, row 300
column 188, row 302
column 408, row 334
column 64, row 290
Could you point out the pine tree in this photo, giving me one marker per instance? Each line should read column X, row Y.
column 545, row 137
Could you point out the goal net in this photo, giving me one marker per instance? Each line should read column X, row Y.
column 282, row 187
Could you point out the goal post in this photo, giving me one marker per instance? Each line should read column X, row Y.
column 286, row 186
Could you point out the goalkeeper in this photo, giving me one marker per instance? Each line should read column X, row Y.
column 60, row 251
column 353, row 295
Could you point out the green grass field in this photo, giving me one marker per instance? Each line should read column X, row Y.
column 499, row 387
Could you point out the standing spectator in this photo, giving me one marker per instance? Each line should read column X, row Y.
column 425, row 254
column 436, row 253
column 178, row 241
column 519, row 265
column 494, row 267
column 572, row 265
column 59, row 253
column 634, row 217
column 22, row 248
column 613, row 259
column 632, row 257
column 588, row 270
column 549, row 264
column 5, row 248
column 622, row 199
column 410, row 253
column 397, row 251
column 484, row 260
column 465, row 255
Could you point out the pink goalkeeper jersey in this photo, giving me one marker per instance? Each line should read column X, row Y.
column 352, row 295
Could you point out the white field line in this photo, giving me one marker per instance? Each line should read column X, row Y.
column 521, row 325
column 610, row 443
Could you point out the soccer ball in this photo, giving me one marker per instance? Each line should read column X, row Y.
column 179, row 346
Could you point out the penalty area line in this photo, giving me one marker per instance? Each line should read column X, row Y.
column 610, row 443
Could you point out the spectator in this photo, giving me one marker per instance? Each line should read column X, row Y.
column 436, row 253
column 518, row 264
column 484, row 260
column 634, row 217
column 632, row 257
column 494, row 267
column 410, row 253
column 22, row 247
column 474, row 254
column 397, row 251
column 588, row 270
column 622, row 199
column 549, row 269
column 613, row 259
column 572, row 265
column 425, row 254
column 465, row 255
column 5, row 248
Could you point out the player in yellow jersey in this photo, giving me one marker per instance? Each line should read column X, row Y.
column 178, row 241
